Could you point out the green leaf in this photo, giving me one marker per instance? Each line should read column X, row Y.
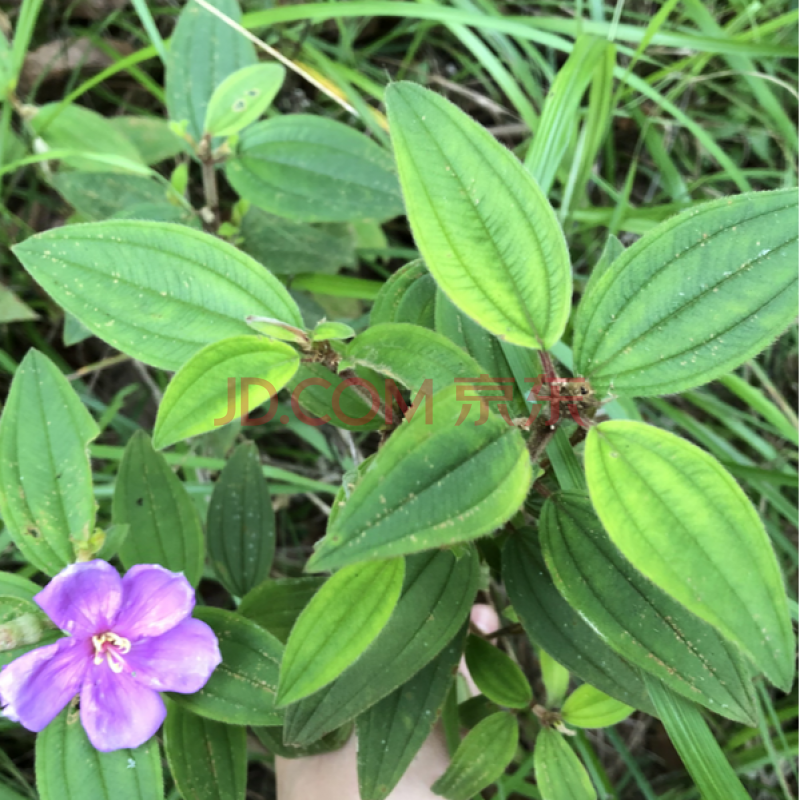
column 12, row 309
column 338, row 625
column 557, row 628
column 209, row 388
column 156, row 291
column 496, row 675
column 276, row 604
column 391, row 733
column 241, row 691
column 272, row 738
column 207, row 759
column 588, row 707
column 69, row 768
column 481, row 758
column 276, row 329
column 152, row 137
column 23, row 626
column 696, row 745
column 642, row 623
column 431, row 485
column 13, row 585
column 554, row 677
column 408, row 296
column 559, row 772
column 164, row 526
column 693, row 299
column 204, row 50
column 241, row 523
column 291, row 248
column 325, row 331
column 410, row 355
column 78, row 128
column 437, row 595
column 242, row 98
column 685, row 524
column 46, row 497
column 99, row 195
column 313, row 169
column 483, row 226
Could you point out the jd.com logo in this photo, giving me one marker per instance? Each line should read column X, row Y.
column 563, row 396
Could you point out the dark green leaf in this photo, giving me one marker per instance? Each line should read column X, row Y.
column 207, row 759
column 241, row 691
column 496, row 675
column 558, row 629
column 559, row 773
column 164, row 525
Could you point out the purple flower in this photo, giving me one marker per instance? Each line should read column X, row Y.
column 128, row 639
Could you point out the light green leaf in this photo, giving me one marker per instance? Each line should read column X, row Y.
column 685, row 524
column 391, row 733
column 242, row 98
column 276, row 329
column 437, row 594
column 481, row 758
column 692, row 299
column 241, row 691
column 554, row 677
column 164, row 526
column 331, row 330
column 483, row 226
column 559, row 772
column 286, row 247
column 642, row 623
column 77, row 128
column 46, row 497
column 13, row 585
column 496, row 675
column 276, row 604
column 69, row 768
column 207, row 759
column 210, row 387
column 411, row 355
column 241, row 523
column 12, row 309
column 696, row 745
column 152, row 137
column 550, row 622
column 588, row 707
column 313, row 169
column 432, row 484
column 204, row 50
column 409, row 295
column 156, row 291
column 338, row 625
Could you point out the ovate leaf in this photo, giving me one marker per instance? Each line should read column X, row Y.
column 481, row 758
column 157, row 291
column 164, row 526
column 276, row 604
column 241, row 523
column 692, row 299
column 391, row 733
column 69, row 768
column 339, row 623
column 643, row 624
column 559, row 773
column 242, row 98
column 207, row 759
column 313, row 169
column 46, row 497
column 685, row 524
column 588, row 707
column 483, row 226
column 241, row 690
column 208, row 390
column 152, row 137
column 431, row 485
column 496, row 675
column 437, row 594
column 204, row 50
column 555, row 626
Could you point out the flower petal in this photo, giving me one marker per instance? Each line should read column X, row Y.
column 83, row 599
column 35, row 687
column 181, row 660
column 118, row 712
column 153, row 601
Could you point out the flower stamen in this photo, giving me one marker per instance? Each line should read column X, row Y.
column 111, row 647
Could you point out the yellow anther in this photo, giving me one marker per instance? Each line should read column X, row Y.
column 113, row 653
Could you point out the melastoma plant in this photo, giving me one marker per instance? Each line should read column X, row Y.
column 629, row 556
